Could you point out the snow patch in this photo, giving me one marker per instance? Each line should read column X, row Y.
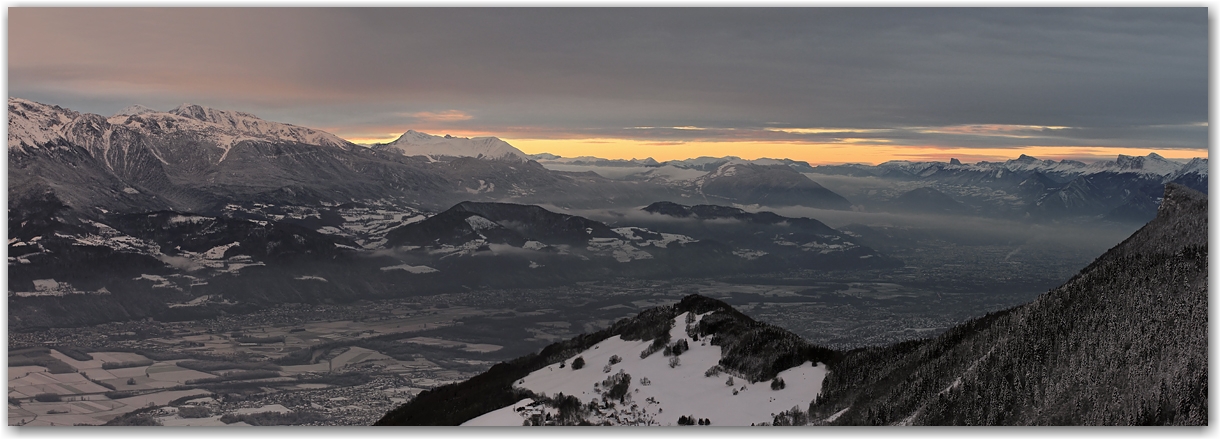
column 671, row 391
column 674, row 174
column 194, row 219
column 619, row 249
column 479, row 223
column 837, row 414
column 218, row 252
column 420, row 269
column 749, row 254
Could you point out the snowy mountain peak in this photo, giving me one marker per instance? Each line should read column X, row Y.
column 220, row 117
column 1152, row 163
column 1195, row 165
column 32, row 124
column 415, row 143
column 412, row 134
column 544, row 156
column 730, row 168
column 133, row 110
column 1031, row 163
column 227, row 127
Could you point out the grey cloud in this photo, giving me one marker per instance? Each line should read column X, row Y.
column 1103, row 70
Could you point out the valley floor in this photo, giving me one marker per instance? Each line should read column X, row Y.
column 369, row 357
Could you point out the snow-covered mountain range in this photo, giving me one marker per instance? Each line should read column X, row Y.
column 32, row 124
column 702, row 163
column 1152, row 165
column 415, row 143
column 1123, row 189
column 1126, row 189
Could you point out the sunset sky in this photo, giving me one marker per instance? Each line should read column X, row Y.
column 813, row 84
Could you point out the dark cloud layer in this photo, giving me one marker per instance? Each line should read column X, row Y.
column 1126, row 76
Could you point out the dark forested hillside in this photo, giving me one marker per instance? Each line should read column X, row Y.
column 1122, row 343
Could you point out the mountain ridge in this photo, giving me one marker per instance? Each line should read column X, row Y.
column 415, row 143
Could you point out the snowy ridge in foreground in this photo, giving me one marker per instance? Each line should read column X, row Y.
column 670, row 392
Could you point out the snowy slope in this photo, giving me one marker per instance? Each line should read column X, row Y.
column 906, row 166
column 414, row 143
column 1026, row 163
column 1152, row 164
column 221, row 127
column 237, row 126
column 703, row 161
column 248, row 125
column 31, row 124
column 34, row 124
column 673, row 173
column 1195, row 165
column 135, row 109
column 586, row 160
column 671, row 392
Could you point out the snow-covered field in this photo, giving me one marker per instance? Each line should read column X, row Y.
column 671, row 392
column 619, row 249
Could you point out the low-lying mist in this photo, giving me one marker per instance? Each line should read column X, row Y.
column 966, row 229
column 1091, row 237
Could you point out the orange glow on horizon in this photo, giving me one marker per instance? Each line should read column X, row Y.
column 846, row 150
column 821, row 153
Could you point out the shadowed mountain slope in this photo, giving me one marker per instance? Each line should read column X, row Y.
column 1122, row 343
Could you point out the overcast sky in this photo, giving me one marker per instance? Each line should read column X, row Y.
column 995, row 81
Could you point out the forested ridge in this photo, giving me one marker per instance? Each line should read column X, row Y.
column 1122, row 343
